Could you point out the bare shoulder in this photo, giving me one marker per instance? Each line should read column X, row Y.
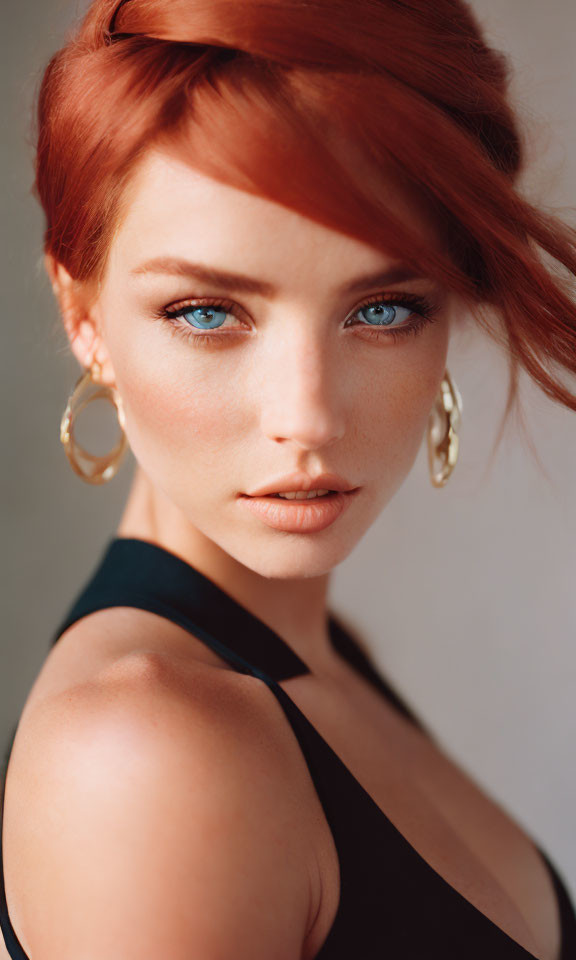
column 162, row 795
column 99, row 640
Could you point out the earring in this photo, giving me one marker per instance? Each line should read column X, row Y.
column 444, row 421
column 103, row 468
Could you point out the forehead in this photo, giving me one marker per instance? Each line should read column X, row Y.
column 171, row 207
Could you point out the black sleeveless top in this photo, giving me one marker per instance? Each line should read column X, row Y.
column 392, row 902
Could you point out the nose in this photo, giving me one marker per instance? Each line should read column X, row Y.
column 302, row 394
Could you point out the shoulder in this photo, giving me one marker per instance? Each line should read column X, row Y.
column 163, row 799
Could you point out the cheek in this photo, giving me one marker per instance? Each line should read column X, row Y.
column 397, row 401
column 179, row 409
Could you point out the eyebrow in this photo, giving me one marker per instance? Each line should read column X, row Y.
column 174, row 266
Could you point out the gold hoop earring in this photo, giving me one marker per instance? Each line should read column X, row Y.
column 103, row 468
column 444, row 421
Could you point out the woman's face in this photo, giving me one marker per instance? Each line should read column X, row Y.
column 280, row 361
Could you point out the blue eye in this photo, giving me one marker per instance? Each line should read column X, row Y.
column 381, row 314
column 205, row 318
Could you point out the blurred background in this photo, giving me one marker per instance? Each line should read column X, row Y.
column 465, row 594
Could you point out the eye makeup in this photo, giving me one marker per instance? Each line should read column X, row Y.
column 424, row 311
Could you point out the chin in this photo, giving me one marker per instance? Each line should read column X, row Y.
column 286, row 556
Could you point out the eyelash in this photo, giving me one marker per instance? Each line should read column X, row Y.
column 426, row 309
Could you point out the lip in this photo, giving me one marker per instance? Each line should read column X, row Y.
column 303, row 481
column 300, row 516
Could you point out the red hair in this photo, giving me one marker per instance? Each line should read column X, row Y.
column 313, row 104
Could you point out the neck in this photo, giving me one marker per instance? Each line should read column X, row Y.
column 295, row 608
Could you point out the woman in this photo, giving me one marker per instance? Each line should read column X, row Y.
column 262, row 221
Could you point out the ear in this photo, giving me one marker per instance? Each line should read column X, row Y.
column 79, row 318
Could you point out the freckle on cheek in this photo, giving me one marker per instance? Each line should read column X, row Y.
column 170, row 415
column 158, row 405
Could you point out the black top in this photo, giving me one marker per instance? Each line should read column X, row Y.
column 392, row 902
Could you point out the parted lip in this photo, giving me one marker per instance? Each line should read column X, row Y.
column 303, row 481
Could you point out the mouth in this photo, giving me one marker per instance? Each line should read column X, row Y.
column 300, row 497
column 295, row 514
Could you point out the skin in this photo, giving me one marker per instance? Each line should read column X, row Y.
column 296, row 389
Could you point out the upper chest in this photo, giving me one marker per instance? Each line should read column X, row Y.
column 438, row 808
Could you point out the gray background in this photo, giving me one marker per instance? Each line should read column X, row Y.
column 466, row 594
